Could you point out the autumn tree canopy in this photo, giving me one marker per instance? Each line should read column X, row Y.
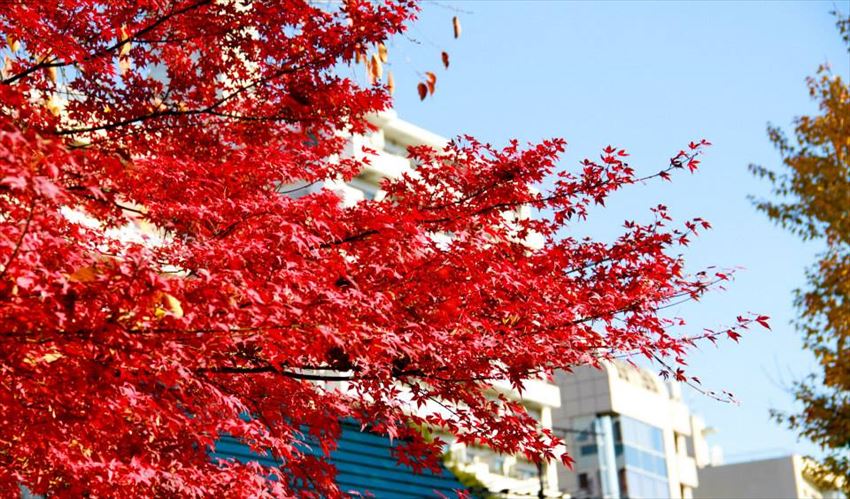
column 812, row 192
column 123, row 358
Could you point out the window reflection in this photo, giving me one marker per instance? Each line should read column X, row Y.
column 639, row 448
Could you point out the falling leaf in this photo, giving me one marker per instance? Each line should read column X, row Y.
column 431, row 81
column 390, row 82
column 423, row 91
column 445, row 57
column 382, row 52
column 456, row 26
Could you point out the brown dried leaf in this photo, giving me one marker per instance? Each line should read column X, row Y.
column 431, row 81
column 456, row 26
column 370, row 71
column 423, row 91
column 445, row 57
column 377, row 67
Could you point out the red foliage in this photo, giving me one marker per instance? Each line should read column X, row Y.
column 122, row 360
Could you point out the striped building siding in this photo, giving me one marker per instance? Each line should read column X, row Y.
column 364, row 465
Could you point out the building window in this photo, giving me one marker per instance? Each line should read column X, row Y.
column 588, row 450
column 640, row 453
column 583, row 481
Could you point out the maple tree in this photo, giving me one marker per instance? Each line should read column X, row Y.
column 813, row 191
column 125, row 357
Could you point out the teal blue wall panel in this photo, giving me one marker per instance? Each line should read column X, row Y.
column 364, row 464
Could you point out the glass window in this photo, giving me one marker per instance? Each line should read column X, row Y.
column 657, row 440
column 583, row 481
column 661, row 466
column 640, row 434
column 643, row 459
column 638, row 485
column 587, row 450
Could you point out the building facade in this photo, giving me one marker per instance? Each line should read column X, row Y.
column 630, row 434
column 776, row 478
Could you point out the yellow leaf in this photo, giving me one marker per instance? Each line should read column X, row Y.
column 173, row 305
column 122, row 38
column 382, row 52
column 14, row 45
column 51, row 357
column 390, row 82
column 48, row 358
column 83, row 274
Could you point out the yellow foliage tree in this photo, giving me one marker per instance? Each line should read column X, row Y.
column 813, row 191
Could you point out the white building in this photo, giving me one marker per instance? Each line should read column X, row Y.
column 777, row 478
column 630, row 434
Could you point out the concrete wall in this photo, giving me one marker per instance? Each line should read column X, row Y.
column 777, row 478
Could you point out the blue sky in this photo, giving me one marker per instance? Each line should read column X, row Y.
column 651, row 76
